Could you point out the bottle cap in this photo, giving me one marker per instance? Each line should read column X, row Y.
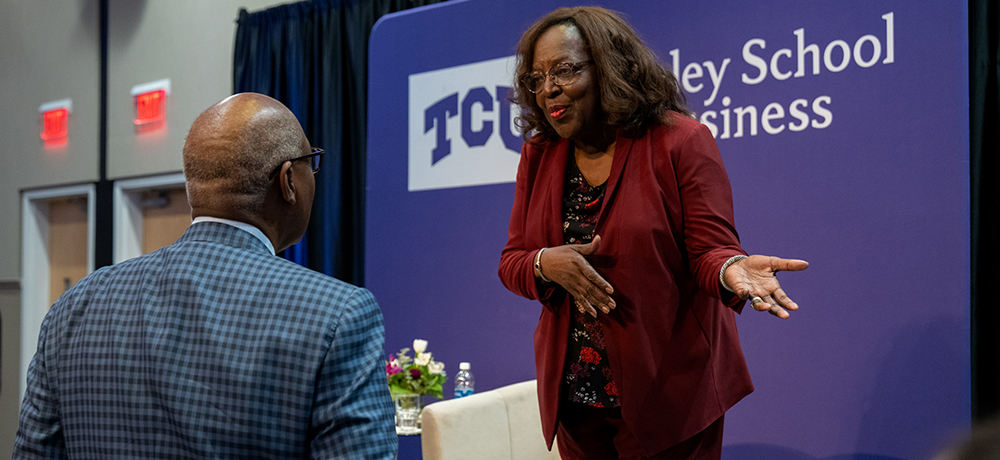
column 463, row 366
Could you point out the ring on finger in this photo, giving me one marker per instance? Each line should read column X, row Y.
column 579, row 306
column 755, row 299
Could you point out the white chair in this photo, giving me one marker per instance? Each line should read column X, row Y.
column 502, row 424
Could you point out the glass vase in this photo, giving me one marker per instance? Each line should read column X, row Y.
column 408, row 407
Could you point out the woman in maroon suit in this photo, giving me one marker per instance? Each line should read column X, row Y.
column 622, row 227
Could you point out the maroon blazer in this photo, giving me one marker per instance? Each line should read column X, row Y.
column 666, row 228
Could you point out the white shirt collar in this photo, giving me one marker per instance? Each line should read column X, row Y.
column 240, row 225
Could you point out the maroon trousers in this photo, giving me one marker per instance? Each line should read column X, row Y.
column 587, row 432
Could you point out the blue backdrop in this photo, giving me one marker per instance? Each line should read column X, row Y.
column 860, row 167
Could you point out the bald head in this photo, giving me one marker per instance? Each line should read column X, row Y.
column 233, row 146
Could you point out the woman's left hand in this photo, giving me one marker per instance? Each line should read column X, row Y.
column 754, row 278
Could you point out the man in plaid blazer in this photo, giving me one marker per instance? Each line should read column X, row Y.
column 213, row 347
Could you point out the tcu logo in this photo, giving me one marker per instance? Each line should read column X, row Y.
column 437, row 115
column 461, row 129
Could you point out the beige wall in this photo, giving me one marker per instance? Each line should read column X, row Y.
column 50, row 50
column 10, row 366
column 188, row 41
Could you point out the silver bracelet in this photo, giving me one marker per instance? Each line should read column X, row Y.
column 722, row 279
column 538, row 266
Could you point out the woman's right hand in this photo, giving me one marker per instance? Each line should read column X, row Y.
column 566, row 266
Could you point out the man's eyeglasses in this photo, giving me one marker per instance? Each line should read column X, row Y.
column 314, row 160
column 562, row 74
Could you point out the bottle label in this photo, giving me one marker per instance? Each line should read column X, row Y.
column 462, row 392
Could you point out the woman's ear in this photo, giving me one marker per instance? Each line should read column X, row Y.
column 286, row 183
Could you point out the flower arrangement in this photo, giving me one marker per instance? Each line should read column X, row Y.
column 419, row 375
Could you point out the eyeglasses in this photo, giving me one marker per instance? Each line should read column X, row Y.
column 562, row 74
column 314, row 160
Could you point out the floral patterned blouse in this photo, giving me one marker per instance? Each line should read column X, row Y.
column 588, row 377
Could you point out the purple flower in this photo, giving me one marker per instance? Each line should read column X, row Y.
column 415, row 374
column 392, row 367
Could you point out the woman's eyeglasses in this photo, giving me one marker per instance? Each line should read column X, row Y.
column 562, row 74
column 314, row 160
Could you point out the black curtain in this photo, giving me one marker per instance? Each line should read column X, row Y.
column 313, row 57
column 984, row 117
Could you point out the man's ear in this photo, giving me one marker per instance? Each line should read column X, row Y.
column 286, row 183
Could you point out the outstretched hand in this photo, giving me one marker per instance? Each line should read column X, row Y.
column 566, row 266
column 754, row 278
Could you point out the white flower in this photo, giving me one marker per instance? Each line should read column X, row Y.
column 436, row 367
column 422, row 359
column 419, row 346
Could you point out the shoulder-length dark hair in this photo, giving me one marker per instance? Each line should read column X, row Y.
column 636, row 91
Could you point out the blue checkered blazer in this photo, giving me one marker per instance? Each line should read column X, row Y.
column 209, row 348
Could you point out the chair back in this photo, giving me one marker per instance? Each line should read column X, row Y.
column 501, row 424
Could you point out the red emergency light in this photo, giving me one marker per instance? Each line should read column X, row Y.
column 150, row 101
column 150, row 107
column 54, row 119
column 55, row 124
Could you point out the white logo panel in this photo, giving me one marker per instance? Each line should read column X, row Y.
column 461, row 126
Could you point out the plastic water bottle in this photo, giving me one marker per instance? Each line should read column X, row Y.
column 464, row 382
